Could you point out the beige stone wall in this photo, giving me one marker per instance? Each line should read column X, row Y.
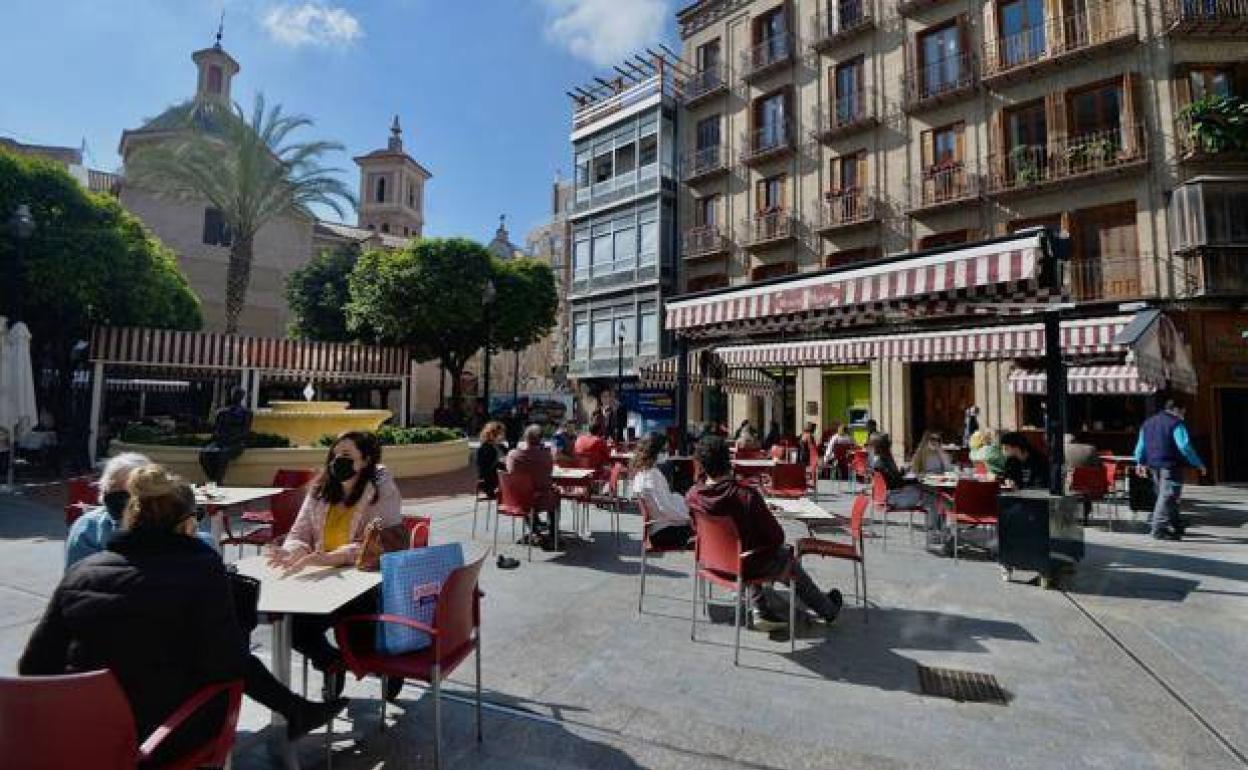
column 280, row 247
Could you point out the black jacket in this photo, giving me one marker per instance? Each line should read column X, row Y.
column 156, row 609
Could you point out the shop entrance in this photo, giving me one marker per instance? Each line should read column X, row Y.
column 1232, row 427
column 940, row 394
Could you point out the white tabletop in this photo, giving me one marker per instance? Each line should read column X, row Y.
column 621, row 455
column 800, row 509
column 312, row 591
column 755, row 463
column 1119, row 458
column 227, row 496
column 571, row 474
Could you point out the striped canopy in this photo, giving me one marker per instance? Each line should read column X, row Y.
column 1115, row 380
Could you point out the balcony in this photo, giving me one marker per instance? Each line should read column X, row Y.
column 1067, row 159
column 770, row 228
column 1199, row 144
column 945, row 186
column 1109, row 277
column 849, row 114
column 909, row 7
column 704, row 84
column 614, row 276
column 1101, row 26
column 767, row 143
column 940, row 81
column 846, row 209
column 628, row 184
column 705, row 241
column 1217, row 271
column 767, row 56
column 1205, row 18
column 852, row 17
column 704, row 163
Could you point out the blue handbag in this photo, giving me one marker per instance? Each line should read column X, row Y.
column 410, row 583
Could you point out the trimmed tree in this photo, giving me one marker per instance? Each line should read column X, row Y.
column 248, row 169
column 318, row 293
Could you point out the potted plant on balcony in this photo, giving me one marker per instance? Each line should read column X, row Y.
column 1023, row 161
column 1217, row 124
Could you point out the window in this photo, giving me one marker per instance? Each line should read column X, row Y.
column 945, row 143
column 852, row 256
column 625, row 244
column 1026, row 139
column 1022, row 31
column 625, row 326
column 1096, row 109
column 385, row 228
column 1105, row 253
column 580, row 252
column 850, row 170
column 846, row 13
column 602, row 168
column 708, row 56
column 848, row 90
column 216, row 231
column 411, row 195
column 706, row 211
column 580, row 334
column 649, row 235
column 604, row 333
column 1211, row 82
column 215, row 80
column 648, row 319
column 771, row 194
column 769, row 120
column 707, row 133
column 625, row 158
column 769, row 29
column 406, row 231
column 381, row 190
column 649, row 152
column 582, row 169
column 943, row 154
column 939, row 50
column 602, row 257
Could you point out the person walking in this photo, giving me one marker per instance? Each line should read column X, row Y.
column 1162, row 450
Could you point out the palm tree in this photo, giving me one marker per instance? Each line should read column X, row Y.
column 247, row 169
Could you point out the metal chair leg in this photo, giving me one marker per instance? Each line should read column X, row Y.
column 383, row 702
column 476, row 503
column 792, row 614
column 437, row 717
column 495, row 548
column 693, row 619
column 479, row 738
column 865, row 605
column 736, row 644
column 641, row 594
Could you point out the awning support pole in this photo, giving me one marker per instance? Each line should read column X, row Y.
column 682, row 396
column 97, row 399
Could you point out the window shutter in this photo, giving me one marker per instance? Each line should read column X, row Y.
column 1182, row 89
column 782, row 197
column 1054, row 27
column 927, row 143
column 959, row 144
column 1055, row 131
column 991, row 35
column 959, row 184
column 964, row 49
column 1130, row 114
column 997, row 148
column 862, row 171
column 834, row 173
column 760, row 195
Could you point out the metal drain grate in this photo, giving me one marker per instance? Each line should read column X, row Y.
column 962, row 686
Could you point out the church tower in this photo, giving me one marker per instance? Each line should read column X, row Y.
column 216, row 69
column 392, row 189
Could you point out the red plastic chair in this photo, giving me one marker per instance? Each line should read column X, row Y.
column 456, row 634
column 1089, row 483
column 973, row 504
column 515, row 499
column 418, row 528
column 852, row 551
column 859, row 472
column 38, row 714
column 787, row 480
column 980, row 468
column 749, row 453
column 879, row 500
column 284, row 509
column 285, row 479
column 718, row 560
column 82, row 492
column 648, row 548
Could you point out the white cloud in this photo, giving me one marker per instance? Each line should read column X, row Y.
column 604, row 32
column 312, row 23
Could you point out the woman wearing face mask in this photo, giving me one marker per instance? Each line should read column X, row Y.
column 92, row 530
column 352, row 489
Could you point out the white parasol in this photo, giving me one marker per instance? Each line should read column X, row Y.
column 18, row 412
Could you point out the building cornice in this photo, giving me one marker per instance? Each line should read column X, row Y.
column 698, row 16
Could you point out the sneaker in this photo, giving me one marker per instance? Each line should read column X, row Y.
column 309, row 716
column 763, row 619
column 837, row 601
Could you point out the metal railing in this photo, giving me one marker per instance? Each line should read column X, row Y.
column 1216, row 17
column 766, row 54
column 1064, row 158
column 769, row 140
column 847, row 112
column 704, row 240
column 1107, row 277
column 846, row 207
column 769, row 226
column 705, row 82
column 704, row 161
column 1192, row 145
column 597, row 110
column 947, row 76
column 621, row 186
column 945, row 184
column 838, row 20
column 1210, row 270
column 614, row 275
column 1099, row 23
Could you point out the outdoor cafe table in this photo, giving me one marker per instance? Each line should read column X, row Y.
column 761, row 462
column 569, row 477
column 311, row 591
column 802, row 509
column 222, row 499
column 622, row 456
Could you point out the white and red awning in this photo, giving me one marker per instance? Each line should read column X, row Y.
column 662, row 374
column 1117, row 380
column 1001, row 270
column 1083, row 337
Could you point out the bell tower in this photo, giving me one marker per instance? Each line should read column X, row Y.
column 216, row 69
column 392, row 189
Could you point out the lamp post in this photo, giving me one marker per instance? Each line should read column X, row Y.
column 617, row 430
column 22, row 224
column 515, row 373
column 488, row 294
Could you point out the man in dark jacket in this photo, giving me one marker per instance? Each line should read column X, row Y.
column 1163, row 449
column 758, row 530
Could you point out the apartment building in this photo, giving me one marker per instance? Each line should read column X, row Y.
column 621, row 222
column 837, row 137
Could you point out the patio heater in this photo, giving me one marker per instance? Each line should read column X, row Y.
column 488, row 294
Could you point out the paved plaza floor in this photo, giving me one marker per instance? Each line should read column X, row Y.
column 1137, row 662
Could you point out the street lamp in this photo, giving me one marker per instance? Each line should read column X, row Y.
column 22, row 224
column 488, row 294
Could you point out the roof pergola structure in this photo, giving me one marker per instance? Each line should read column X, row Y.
column 158, row 354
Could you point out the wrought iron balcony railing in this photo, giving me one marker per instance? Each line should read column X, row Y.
column 1213, row 18
column 848, row 112
column 767, row 227
column 846, row 208
column 772, row 140
column 704, row 84
column 705, row 241
column 767, row 55
column 1098, row 25
column 1067, row 158
column 703, row 163
column 945, row 185
column 838, row 21
column 939, row 80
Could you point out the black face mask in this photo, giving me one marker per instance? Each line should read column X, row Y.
column 342, row 468
column 115, row 502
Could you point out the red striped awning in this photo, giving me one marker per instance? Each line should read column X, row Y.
column 1092, row 336
column 662, row 374
column 1000, row 270
column 1118, row 380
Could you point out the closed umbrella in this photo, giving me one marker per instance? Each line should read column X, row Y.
column 18, row 412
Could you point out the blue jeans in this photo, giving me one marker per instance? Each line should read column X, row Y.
column 1166, row 510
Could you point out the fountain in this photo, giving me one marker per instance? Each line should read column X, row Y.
column 304, row 422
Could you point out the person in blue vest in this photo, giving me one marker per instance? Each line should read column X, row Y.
column 1163, row 449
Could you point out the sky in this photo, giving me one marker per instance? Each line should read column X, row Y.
column 478, row 85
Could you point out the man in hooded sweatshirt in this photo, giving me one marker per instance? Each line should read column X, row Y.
column 720, row 495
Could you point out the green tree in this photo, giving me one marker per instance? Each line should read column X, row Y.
column 246, row 168
column 88, row 262
column 317, row 295
column 428, row 298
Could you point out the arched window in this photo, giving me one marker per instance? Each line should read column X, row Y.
column 381, row 189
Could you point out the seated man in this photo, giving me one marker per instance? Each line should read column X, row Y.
column 564, row 441
column 1025, row 467
column 532, row 459
column 721, row 495
column 594, row 446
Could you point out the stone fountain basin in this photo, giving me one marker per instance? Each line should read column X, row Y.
column 303, row 423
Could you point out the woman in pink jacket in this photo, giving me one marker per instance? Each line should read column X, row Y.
column 351, row 490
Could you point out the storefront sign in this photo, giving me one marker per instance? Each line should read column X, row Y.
column 655, row 404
